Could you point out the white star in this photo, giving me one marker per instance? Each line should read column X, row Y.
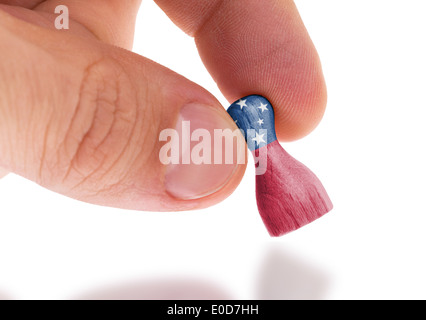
column 263, row 107
column 259, row 138
column 242, row 103
column 260, row 122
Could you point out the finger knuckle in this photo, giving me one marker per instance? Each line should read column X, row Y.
column 100, row 132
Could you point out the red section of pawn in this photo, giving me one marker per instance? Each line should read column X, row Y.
column 288, row 194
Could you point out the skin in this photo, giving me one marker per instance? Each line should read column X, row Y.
column 92, row 137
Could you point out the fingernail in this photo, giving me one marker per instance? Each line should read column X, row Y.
column 199, row 172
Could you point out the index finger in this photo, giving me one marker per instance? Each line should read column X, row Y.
column 258, row 47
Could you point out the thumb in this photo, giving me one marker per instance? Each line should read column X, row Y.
column 85, row 119
column 2, row 173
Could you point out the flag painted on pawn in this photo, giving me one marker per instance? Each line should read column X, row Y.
column 288, row 194
column 254, row 115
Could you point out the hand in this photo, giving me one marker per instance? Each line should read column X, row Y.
column 81, row 115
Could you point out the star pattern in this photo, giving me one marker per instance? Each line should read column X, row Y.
column 242, row 103
column 259, row 138
column 263, row 107
column 257, row 125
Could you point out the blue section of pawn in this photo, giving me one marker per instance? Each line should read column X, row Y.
column 254, row 115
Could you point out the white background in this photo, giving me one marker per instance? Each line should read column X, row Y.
column 369, row 152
